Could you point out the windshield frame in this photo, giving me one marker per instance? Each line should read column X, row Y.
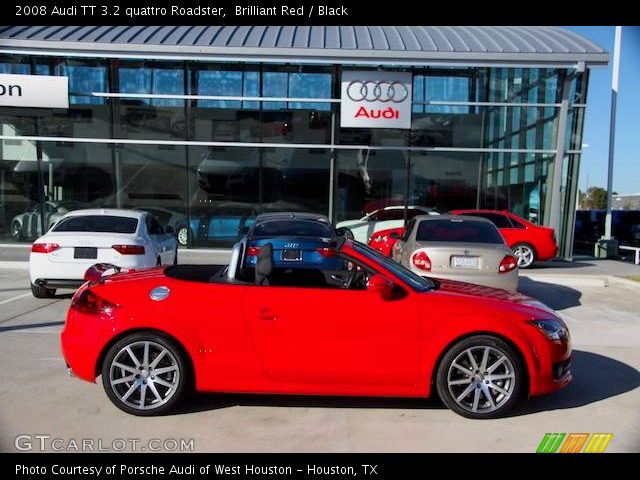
column 410, row 279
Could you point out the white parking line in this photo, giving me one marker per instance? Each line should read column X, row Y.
column 13, row 299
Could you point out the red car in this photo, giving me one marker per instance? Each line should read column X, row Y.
column 155, row 334
column 529, row 242
column 383, row 240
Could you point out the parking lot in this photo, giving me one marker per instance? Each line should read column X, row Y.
column 38, row 398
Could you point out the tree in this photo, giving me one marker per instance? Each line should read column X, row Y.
column 595, row 198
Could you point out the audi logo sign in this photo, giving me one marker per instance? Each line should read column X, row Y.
column 376, row 100
column 39, row 91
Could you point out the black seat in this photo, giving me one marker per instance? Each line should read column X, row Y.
column 264, row 265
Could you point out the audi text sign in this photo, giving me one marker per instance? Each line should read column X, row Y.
column 38, row 91
column 375, row 100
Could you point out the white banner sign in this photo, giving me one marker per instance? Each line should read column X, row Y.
column 376, row 99
column 34, row 91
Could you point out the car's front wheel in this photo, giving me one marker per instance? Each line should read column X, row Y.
column 183, row 235
column 480, row 377
column 145, row 374
column 525, row 254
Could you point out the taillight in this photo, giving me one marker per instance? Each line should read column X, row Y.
column 422, row 261
column 44, row 247
column 129, row 249
column 253, row 251
column 326, row 252
column 89, row 303
column 508, row 263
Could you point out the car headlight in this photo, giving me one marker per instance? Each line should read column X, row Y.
column 553, row 329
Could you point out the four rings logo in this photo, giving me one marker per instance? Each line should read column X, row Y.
column 371, row 91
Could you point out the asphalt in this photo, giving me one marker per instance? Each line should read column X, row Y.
column 38, row 398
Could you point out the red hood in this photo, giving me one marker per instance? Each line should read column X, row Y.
column 472, row 291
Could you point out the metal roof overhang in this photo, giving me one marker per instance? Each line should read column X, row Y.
column 578, row 60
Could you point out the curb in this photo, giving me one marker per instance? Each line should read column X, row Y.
column 584, row 280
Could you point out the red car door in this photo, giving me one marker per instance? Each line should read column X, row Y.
column 333, row 336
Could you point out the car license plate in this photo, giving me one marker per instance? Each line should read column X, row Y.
column 85, row 252
column 465, row 262
column 291, row 255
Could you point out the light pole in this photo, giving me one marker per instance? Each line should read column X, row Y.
column 608, row 246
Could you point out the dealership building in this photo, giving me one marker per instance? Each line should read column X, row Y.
column 209, row 126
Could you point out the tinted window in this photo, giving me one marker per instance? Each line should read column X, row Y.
column 515, row 223
column 412, row 212
column 97, row 223
column 392, row 214
column 499, row 221
column 407, row 230
column 153, row 226
column 467, row 231
column 293, row 228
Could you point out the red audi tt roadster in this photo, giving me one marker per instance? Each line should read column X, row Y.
column 372, row 328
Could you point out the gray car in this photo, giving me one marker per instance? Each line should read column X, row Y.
column 455, row 247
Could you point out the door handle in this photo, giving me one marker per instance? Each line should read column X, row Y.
column 267, row 314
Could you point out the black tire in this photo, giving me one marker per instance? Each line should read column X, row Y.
column 16, row 232
column 525, row 247
column 42, row 292
column 450, row 394
column 171, row 397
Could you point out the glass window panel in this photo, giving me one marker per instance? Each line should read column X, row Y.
column 274, row 84
column 85, row 79
column 310, row 85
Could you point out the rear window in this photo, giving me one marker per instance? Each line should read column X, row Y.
column 97, row 223
column 298, row 228
column 466, row 231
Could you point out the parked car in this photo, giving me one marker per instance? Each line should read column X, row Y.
column 176, row 220
column 153, row 335
column 467, row 249
column 384, row 240
column 384, row 218
column 530, row 243
column 224, row 222
column 299, row 240
column 81, row 238
column 29, row 224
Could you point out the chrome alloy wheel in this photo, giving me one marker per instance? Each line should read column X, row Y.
column 481, row 379
column 183, row 235
column 144, row 375
column 524, row 254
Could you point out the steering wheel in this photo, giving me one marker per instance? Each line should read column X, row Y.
column 356, row 275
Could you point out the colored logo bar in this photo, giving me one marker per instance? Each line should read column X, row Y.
column 573, row 442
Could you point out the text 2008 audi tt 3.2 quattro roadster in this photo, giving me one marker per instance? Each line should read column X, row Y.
column 374, row 329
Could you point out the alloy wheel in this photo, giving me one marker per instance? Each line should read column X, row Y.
column 524, row 254
column 183, row 235
column 144, row 375
column 481, row 379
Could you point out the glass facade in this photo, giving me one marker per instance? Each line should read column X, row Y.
column 207, row 146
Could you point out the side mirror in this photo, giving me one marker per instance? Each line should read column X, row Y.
column 394, row 235
column 344, row 232
column 380, row 285
column 168, row 229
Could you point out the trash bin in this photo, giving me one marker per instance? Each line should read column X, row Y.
column 606, row 248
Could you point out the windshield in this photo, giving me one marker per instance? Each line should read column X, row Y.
column 295, row 228
column 418, row 283
column 97, row 223
column 458, row 231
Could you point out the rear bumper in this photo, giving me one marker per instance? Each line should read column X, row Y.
column 58, row 283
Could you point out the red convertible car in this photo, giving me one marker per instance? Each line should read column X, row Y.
column 375, row 329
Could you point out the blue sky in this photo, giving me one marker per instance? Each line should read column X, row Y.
column 626, row 175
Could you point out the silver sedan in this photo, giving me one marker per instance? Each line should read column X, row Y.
column 455, row 247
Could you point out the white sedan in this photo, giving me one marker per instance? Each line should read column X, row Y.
column 81, row 238
column 382, row 219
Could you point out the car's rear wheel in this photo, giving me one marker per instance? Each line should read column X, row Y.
column 16, row 232
column 525, row 254
column 145, row 374
column 480, row 377
column 42, row 292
